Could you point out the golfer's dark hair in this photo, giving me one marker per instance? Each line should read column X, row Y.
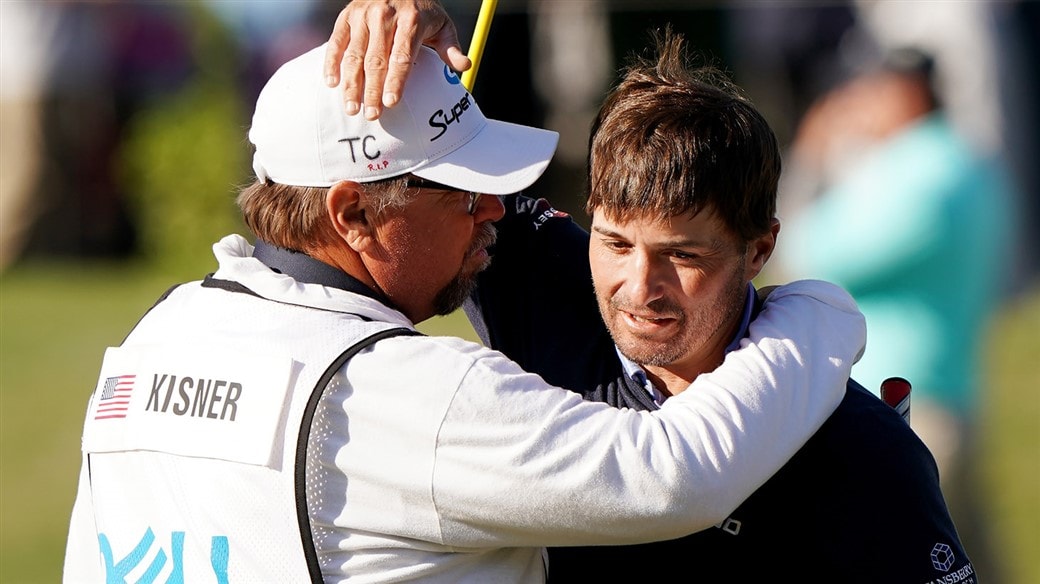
column 672, row 139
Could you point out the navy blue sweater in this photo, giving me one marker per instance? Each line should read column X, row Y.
column 860, row 502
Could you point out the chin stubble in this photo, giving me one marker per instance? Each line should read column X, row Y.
column 451, row 297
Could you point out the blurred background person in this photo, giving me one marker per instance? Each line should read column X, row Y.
column 789, row 54
column 23, row 66
column 919, row 226
column 94, row 65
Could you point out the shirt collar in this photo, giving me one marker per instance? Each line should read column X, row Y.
column 303, row 268
column 636, row 372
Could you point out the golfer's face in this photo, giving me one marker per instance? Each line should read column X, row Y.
column 670, row 290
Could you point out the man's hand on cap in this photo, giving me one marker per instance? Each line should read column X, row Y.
column 373, row 45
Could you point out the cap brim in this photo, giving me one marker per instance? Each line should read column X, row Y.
column 501, row 159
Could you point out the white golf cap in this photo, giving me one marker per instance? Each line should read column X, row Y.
column 304, row 137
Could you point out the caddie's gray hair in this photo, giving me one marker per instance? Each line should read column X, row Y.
column 295, row 217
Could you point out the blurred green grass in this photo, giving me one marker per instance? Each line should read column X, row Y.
column 56, row 320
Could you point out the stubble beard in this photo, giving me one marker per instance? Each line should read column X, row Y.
column 455, row 292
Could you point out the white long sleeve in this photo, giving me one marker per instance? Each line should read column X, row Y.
column 515, row 462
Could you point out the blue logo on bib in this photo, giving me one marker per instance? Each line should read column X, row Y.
column 116, row 571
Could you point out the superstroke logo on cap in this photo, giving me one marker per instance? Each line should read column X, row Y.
column 441, row 119
column 450, row 76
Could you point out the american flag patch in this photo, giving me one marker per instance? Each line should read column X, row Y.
column 115, row 397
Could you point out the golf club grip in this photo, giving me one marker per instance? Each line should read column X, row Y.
column 895, row 391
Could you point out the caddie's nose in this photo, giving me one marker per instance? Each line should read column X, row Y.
column 489, row 208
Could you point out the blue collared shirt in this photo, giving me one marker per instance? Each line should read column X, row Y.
column 636, row 372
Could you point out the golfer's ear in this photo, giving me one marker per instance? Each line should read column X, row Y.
column 760, row 249
column 350, row 214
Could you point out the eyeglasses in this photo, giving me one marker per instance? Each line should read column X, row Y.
column 414, row 182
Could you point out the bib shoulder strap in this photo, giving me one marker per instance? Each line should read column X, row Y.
column 300, row 470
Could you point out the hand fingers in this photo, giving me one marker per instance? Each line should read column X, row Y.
column 356, row 53
column 352, row 68
column 446, row 42
column 372, row 48
column 381, row 24
column 406, row 39
column 334, row 49
column 414, row 27
column 454, row 57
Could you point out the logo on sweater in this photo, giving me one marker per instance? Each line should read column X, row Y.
column 942, row 560
column 546, row 215
column 942, row 557
column 730, row 525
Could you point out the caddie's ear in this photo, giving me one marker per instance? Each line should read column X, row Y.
column 350, row 214
column 760, row 249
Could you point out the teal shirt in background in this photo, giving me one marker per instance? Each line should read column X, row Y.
column 921, row 235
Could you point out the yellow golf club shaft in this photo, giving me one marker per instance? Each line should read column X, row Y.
column 476, row 45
